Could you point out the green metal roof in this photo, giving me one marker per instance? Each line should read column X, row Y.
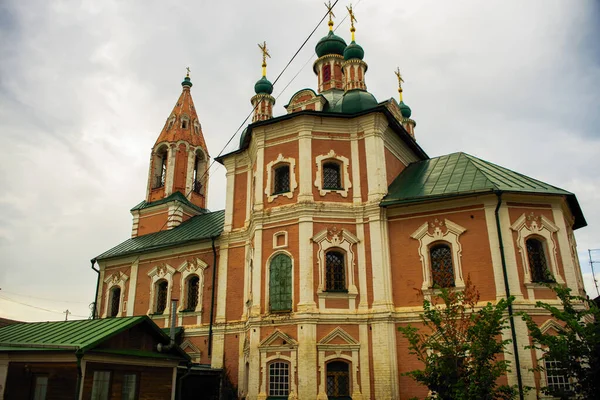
column 79, row 336
column 174, row 196
column 200, row 227
column 461, row 174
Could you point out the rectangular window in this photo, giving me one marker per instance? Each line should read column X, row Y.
column 129, row 387
column 555, row 378
column 279, row 379
column 40, row 387
column 326, row 73
column 101, row 385
column 281, row 182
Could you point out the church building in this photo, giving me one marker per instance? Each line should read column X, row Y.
column 335, row 218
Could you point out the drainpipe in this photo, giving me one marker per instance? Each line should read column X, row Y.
column 161, row 347
column 507, row 289
column 93, row 261
column 212, row 297
column 79, row 375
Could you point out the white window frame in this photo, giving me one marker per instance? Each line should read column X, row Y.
column 344, row 174
column 116, row 279
column 442, row 231
column 270, row 177
column 528, row 225
column 162, row 271
column 187, row 269
column 270, row 351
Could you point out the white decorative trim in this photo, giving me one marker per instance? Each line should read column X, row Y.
column 293, row 184
column 276, row 235
column 268, row 277
column 117, row 279
column 451, row 235
column 344, row 174
column 195, row 353
column 268, row 345
column 542, row 227
column 187, row 269
column 343, row 240
column 163, row 271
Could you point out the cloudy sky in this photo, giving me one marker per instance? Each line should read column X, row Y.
column 85, row 88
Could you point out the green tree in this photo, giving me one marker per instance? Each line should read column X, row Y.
column 575, row 348
column 459, row 346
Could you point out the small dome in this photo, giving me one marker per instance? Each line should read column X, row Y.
column 355, row 101
column 405, row 110
column 186, row 82
column 243, row 136
column 263, row 86
column 330, row 44
column 353, row 51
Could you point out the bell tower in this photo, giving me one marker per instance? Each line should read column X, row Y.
column 178, row 173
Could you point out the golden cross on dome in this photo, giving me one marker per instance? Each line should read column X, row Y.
column 331, row 14
column 352, row 20
column 400, row 81
column 188, row 71
column 265, row 54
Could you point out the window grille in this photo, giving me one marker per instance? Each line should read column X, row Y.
column 280, row 283
column 335, row 271
column 101, row 385
column 537, row 261
column 555, row 377
column 161, row 296
column 338, row 380
column 279, row 379
column 115, row 299
column 128, row 389
column 441, row 266
column 326, row 73
column 281, row 182
column 192, row 293
column 331, row 176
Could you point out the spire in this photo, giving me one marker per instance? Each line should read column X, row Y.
column 263, row 101
column 405, row 110
column 330, row 50
column 331, row 14
column 352, row 20
column 354, row 67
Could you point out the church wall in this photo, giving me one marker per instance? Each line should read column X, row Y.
column 341, row 147
column 235, row 282
column 368, row 264
column 180, row 175
column 105, row 288
column 271, row 152
column 393, row 166
column 232, row 356
column 362, row 157
column 152, row 223
column 240, row 199
column 408, row 362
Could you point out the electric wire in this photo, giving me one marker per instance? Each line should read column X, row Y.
column 45, row 298
column 40, row 308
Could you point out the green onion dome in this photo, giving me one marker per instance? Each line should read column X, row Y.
column 186, row 82
column 263, row 86
column 330, row 44
column 353, row 50
column 405, row 110
column 354, row 101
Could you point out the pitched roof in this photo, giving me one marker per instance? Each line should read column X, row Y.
column 79, row 336
column 200, row 227
column 184, row 105
column 461, row 174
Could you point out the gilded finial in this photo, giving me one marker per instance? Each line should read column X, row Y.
column 352, row 20
column 188, row 72
column 265, row 54
column 331, row 14
column 400, row 81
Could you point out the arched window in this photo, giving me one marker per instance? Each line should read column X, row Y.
column 161, row 296
column 338, row 380
column 281, row 180
column 335, row 271
column 280, row 283
column 114, row 301
column 331, row 176
column 442, row 270
column 279, row 379
column 198, row 173
column 160, row 168
column 170, row 123
column 193, row 286
column 536, row 254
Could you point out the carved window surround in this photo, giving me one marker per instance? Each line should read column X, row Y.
column 112, row 280
column 339, row 341
column 344, row 174
column 330, row 239
column 270, row 172
column 166, row 272
column 542, row 227
column 439, row 231
column 285, row 348
column 268, row 277
column 187, row 269
column 284, row 236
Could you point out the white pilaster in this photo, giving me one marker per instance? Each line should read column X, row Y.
column 365, row 371
column 132, row 289
column 510, row 255
column 305, row 165
column 229, row 193
column 490, row 220
column 385, row 365
column 306, row 265
column 307, row 360
column 260, row 171
column 356, row 190
column 257, row 271
column 361, row 265
column 222, row 282
column 565, row 248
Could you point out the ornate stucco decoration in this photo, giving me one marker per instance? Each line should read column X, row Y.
column 293, row 184
column 344, row 174
column 188, row 269
column 341, row 239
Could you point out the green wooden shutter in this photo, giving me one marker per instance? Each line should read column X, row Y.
column 280, row 283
